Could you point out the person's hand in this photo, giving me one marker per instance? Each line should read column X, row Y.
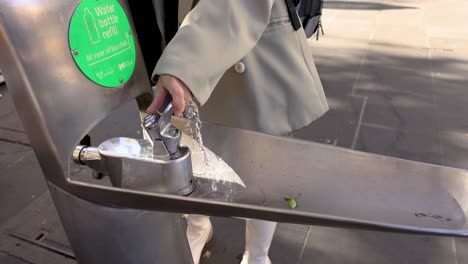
column 181, row 95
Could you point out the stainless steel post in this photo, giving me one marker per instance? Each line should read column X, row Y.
column 101, row 234
column 58, row 105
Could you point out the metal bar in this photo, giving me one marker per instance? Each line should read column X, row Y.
column 333, row 187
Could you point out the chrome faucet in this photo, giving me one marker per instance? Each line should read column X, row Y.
column 164, row 137
column 158, row 163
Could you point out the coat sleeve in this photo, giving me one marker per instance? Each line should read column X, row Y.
column 213, row 37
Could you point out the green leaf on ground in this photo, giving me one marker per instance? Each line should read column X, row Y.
column 291, row 202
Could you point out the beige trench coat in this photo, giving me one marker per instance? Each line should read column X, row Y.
column 246, row 66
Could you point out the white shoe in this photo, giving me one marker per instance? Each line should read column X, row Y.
column 245, row 259
column 199, row 232
column 258, row 237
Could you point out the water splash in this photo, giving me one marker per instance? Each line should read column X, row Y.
column 206, row 164
column 192, row 113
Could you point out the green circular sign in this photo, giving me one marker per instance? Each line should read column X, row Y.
column 101, row 42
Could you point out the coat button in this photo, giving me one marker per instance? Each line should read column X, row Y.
column 239, row 67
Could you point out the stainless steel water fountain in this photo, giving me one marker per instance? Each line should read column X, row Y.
column 158, row 163
column 70, row 64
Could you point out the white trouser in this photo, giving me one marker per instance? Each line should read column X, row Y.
column 258, row 237
column 2, row 80
column 199, row 231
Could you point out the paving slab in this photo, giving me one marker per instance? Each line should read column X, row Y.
column 288, row 243
column 36, row 234
column 455, row 149
column 13, row 136
column 30, row 252
column 338, row 126
column 9, row 119
column 227, row 244
column 460, row 246
column 401, row 112
column 21, row 179
column 446, row 18
column 399, row 89
column 8, row 259
column 423, row 147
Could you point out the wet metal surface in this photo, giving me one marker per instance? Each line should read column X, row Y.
column 335, row 182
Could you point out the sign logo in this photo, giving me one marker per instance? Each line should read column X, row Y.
column 102, row 43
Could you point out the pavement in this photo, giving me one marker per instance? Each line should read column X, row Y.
column 394, row 72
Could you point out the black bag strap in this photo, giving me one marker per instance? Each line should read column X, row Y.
column 295, row 21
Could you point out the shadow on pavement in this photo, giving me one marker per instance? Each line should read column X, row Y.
column 415, row 103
